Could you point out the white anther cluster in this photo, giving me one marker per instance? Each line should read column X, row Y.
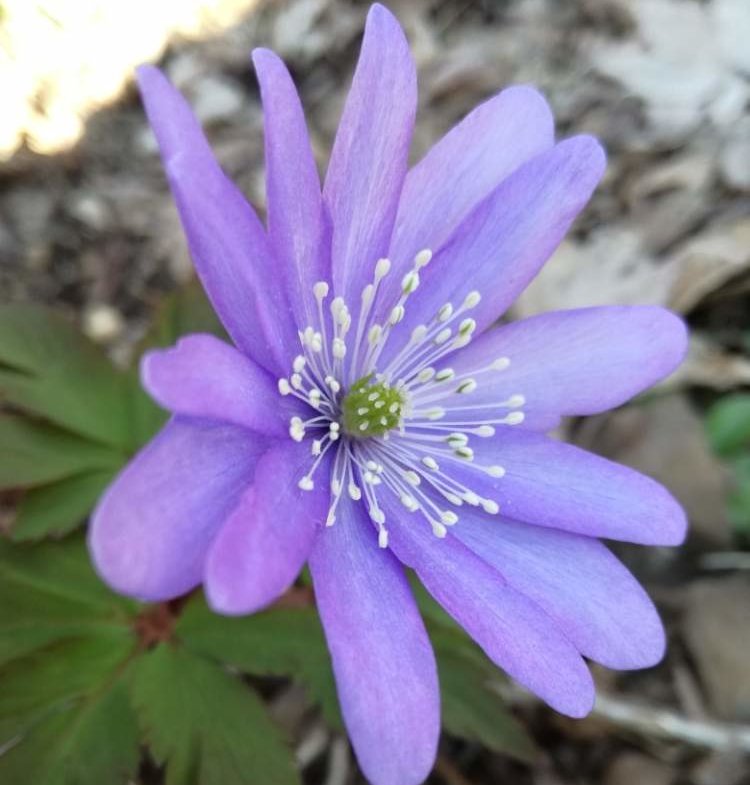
column 429, row 402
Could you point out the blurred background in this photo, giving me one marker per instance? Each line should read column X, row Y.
column 87, row 226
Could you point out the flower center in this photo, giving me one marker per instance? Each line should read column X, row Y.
column 401, row 426
column 371, row 409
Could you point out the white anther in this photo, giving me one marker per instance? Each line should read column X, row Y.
column 453, row 499
column 299, row 364
column 373, row 396
column 409, row 502
column 354, row 492
column 316, row 344
column 495, row 471
column 314, row 395
column 467, row 387
column 320, row 290
column 383, row 538
column 397, row 314
column 422, row 258
column 457, row 439
column 393, row 408
column 442, row 336
column 467, row 327
column 445, row 375
column 430, row 463
column 514, row 418
column 317, row 446
column 493, row 508
column 464, row 452
column 284, row 387
column 363, row 426
column 377, row 515
column 339, row 349
column 380, row 404
column 296, row 380
column 363, row 410
column 500, row 364
column 334, row 427
column 425, row 375
column 472, row 299
column 335, row 487
column 373, row 337
column 471, row 498
column 438, row 529
column 337, row 306
column 448, row 517
column 410, row 282
column 484, row 431
column 306, row 483
column 367, row 294
column 412, row 477
column 382, row 268
column 445, row 312
column 515, row 401
column 436, row 413
column 461, row 340
column 418, row 333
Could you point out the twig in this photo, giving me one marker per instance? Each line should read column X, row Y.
column 338, row 762
column 650, row 721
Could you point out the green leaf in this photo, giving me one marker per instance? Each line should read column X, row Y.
column 185, row 311
column 88, row 736
column 728, row 424
column 739, row 500
column 50, row 593
column 59, row 507
column 206, row 727
column 49, row 369
column 34, row 453
column 53, row 676
column 280, row 642
column 471, row 709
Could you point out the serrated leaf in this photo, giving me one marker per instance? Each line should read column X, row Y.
column 88, row 741
column 49, row 593
column 279, row 642
column 34, row 453
column 728, row 424
column 57, row 675
column 49, row 369
column 59, row 507
column 205, row 725
column 471, row 709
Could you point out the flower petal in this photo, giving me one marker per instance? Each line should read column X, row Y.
column 504, row 241
column 382, row 659
column 549, row 483
column 589, row 594
column 295, row 205
column 514, row 632
column 369, row 157
column 574, row 362
column 150, row 531
column 469, row 162
column 261, row 548
column 229, row 247
column 205, row 378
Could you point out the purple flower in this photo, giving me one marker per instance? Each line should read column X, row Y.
column 369, row 418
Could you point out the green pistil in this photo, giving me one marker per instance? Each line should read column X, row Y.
column 371, row 409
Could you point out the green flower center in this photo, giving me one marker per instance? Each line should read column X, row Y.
column 371, row 409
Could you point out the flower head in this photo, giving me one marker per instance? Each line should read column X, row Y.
column 369, row 417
